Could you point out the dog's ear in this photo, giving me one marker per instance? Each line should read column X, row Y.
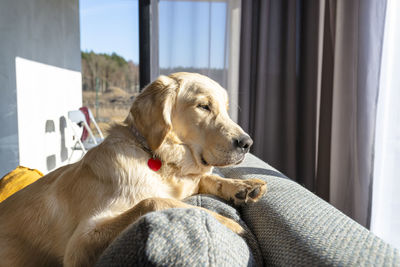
column 151, row 111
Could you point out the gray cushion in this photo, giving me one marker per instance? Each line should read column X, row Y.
column 291, row 227
column 222, row 207
column 294, row 227
column 184, row 237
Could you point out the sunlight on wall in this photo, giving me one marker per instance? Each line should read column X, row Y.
column 45, row 94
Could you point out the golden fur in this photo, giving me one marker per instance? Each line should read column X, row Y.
column 73, row 213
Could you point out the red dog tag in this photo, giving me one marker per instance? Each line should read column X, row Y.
column 154, row 164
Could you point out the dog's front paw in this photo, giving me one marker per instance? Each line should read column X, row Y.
column 249, row 191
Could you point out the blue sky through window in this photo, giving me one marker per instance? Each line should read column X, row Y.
column 112, row 26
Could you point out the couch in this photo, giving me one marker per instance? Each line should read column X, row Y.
column 289, row 226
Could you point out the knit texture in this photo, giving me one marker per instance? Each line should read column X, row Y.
column 289, row 226
column 179, row 237
column 294, row 227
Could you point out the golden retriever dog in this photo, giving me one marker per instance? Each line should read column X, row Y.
column 177, row 129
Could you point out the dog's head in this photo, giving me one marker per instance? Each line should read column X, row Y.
column 195, row 109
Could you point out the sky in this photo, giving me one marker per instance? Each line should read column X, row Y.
column 191, row 34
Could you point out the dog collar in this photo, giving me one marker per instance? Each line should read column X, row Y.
column 154, row 163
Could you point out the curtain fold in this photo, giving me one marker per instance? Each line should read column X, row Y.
column 358, row 51
column 269, row 62
column 309, row 79
column 323, row 155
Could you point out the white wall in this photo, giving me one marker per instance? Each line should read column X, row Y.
column 45, row 32
column 45, row 94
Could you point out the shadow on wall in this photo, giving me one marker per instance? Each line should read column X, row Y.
column 51, row 140
column 63, row 150
column 50, row 132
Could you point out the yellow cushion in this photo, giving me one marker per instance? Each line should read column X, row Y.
column 16, row 180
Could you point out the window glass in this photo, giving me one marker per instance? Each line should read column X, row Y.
column 110, row 56
column 203, row 37
column 192, row 37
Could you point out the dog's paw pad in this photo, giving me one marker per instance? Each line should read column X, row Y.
column 241, row 194
column 255, row 192
column 250, row 191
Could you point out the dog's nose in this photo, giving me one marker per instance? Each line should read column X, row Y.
column 244, row 143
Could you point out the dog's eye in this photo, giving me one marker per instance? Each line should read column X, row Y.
column 205, row 107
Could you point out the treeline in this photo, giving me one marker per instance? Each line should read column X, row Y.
column 107, row 71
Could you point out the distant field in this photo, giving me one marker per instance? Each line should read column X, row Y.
column 113, row 106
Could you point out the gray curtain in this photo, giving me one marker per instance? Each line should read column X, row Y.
column 309, row 79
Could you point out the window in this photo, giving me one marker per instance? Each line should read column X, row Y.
column 202, row 37
column 110, row 56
